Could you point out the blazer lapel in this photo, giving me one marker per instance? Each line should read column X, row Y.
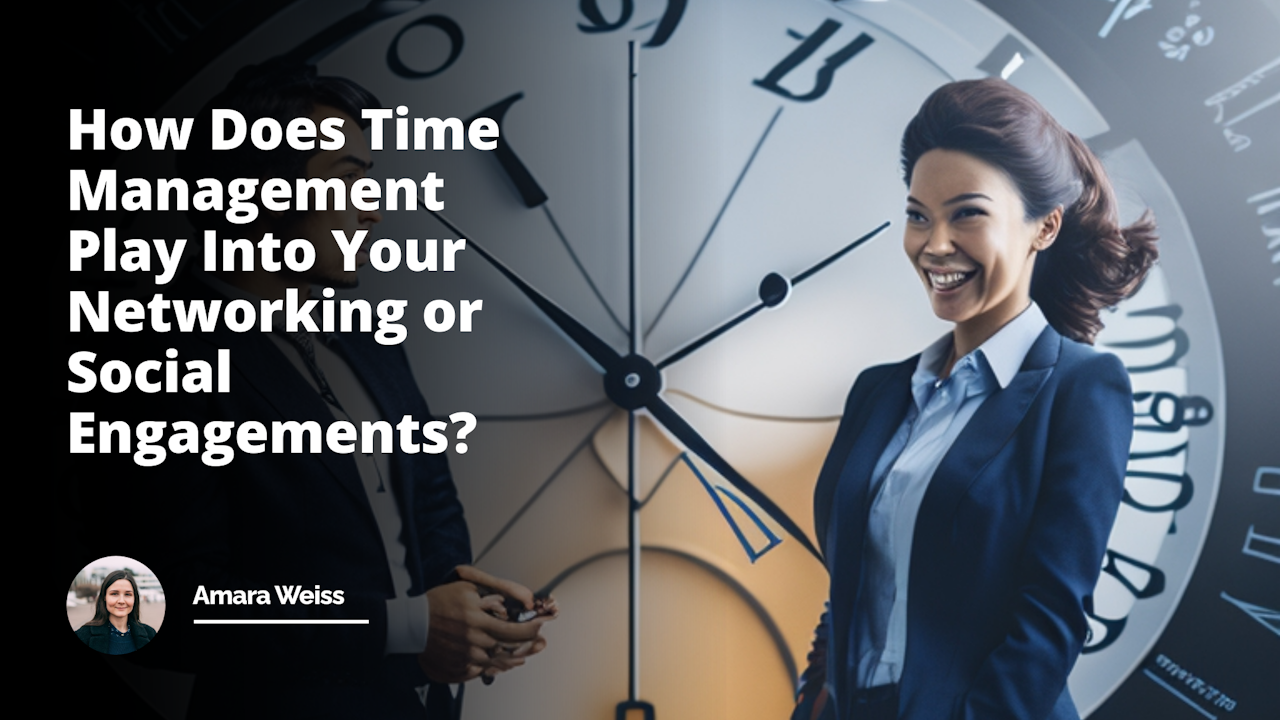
column 274, row 378
column 279, row 383
column 383, row 387
column 987, row 432
column 854, row 455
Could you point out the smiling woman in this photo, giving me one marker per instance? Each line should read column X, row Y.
column 116, row 627
column 971, row 244
column 987, row 133
column 982, row 476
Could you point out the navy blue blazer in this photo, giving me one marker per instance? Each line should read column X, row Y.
column 1008, row 544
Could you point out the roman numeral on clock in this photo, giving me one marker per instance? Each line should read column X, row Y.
column 826, row 73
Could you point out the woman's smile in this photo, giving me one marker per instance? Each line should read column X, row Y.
column 947, row 280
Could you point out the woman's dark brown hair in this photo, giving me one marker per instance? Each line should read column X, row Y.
column 1094, row 263
column 100, row 614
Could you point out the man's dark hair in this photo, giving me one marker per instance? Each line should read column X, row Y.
column 279, row 89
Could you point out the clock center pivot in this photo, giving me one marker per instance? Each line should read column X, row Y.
column 632, row 382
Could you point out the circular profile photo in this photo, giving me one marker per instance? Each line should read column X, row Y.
column 115, row 605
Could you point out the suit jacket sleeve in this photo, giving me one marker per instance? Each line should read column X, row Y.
column 1085, row 454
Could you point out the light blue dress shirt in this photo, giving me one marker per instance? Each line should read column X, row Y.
column 940, row 412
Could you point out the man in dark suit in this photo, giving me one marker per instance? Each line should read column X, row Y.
column 380, row 535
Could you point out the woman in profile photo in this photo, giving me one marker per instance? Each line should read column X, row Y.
column 966, row 502
column 116, row 628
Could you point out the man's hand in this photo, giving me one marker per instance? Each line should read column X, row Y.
column 466, row 637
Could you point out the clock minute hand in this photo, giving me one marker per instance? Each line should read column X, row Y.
column 774, row 289
column 604, row 356
column 678, row 426
column 640, row 393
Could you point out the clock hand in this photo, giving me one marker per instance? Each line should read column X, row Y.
column 715, row 223
column 604, row 356
column 531, row 193
column 633, row 383
column 774, row 290
column 678, row 426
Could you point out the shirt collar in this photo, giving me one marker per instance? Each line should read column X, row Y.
column 1003, row 353
column 1006, row 350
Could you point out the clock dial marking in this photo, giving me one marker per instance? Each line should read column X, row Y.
column 772, row 540
column 829, row 66
column 1178, row 336
column 1220, row 100
column 440, row 22
column 684, row 432
column 1149, row 581
column 1263, row 547
column 1122, row 11
column 1186, row 490
column 1269, row 203
column 1268, row 618
column 530, row 192
column 591, row 9
column 1263, row 488
column 666, row 24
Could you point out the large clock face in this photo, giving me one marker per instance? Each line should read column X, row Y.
column 765, row 141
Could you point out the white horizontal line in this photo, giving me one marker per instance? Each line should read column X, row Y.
column 1179, row 695
column 279, row 622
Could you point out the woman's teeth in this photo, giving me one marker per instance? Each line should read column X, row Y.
column 948, row 280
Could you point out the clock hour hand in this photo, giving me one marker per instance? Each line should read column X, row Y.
column 604, row 356
column 774, row 290
column 678, row 426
